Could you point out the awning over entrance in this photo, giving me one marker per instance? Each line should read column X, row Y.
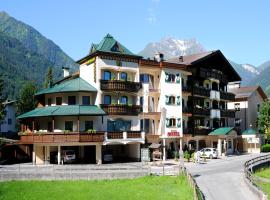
column 222, row 131
column 154, row 146
column 250, row 132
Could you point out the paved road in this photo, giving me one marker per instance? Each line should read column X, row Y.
column 223, row 179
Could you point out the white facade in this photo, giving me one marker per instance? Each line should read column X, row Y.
column 9, row 123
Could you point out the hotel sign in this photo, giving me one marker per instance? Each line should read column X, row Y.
column 173, row 134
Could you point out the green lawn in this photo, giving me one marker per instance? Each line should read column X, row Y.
column 145, row 188
column 264, row 173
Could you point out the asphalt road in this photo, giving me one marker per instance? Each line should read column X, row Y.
column 223, row 179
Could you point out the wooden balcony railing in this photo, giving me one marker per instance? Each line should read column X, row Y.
column 134, row 134
column 120, row 109
column 118, row 85
column 202, row 91
column 62, row 137
column 201, row 111
column 227, row 96
column 208, row 73
column 227, row 113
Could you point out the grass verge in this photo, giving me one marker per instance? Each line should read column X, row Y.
column 149, row 187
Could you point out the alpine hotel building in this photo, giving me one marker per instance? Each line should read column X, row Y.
column 119, row 102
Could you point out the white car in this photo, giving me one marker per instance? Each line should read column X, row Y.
column 209, row 153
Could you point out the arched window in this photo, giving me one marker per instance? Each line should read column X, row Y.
column 107, row 99
column 123, row 76
column 107, row 75
column 124, row 100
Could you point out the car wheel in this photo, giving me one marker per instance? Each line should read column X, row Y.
column 211, row 156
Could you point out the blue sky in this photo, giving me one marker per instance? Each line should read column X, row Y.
column 239, row 28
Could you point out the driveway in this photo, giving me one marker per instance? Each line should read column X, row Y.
column 223, row 179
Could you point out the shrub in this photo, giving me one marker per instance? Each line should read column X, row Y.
column 265, row 148
column 187, row 155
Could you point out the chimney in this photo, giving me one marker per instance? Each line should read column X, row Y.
column 66, row 71
column 159, row 57
column 181, row 59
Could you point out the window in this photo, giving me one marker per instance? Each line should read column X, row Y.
column 237, row 106
column 171, row 122
column 118, row 125
column 170, row 100
column 141, row 101
column 69, row 125
column 9, row 121
column 123, row 76
column 144, row 78
column 170, row 78
column 107, row 75
column 71, row 100
column 237, row 121
column 88, row 125
column 107, row 99
column 49, row 101
column 258, row 107
column 145, row 125
column 58, row 100
column 118, row 63
column 124, row 100
column 85, row 100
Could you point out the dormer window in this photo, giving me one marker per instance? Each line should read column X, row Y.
column 116, row 47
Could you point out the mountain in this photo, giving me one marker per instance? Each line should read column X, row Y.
column 25, row 54
column 173, row 47
column 263, row 80
column 264, row 65
column 246, row 71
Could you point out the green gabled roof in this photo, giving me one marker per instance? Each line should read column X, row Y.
column 250, row 131
column 73, row 85
column 108, row 43
column 68, row 110
column 221, row 131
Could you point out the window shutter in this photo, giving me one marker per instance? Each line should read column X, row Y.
column 166, row 100
column 179, row 122
column 167, row 122
column 177, row 78
column 178, row 100
column 166, row 77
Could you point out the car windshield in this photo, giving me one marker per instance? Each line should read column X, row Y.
column 69, row 152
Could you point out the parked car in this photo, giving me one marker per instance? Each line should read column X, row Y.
column 209, row 153
column 107, row 156
column 67, row 156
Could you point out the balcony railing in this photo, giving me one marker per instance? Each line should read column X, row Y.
column 201, row 131
column 228, row 113
column 206, row 73
column 186, row 110
column 62, row 137
column 118, row 85
column 202, row 91
column 53, row 137
column 201, row 111
column 120, row 109
column 227, row 96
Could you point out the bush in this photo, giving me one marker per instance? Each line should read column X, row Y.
column 187, row 155
column 265, row 148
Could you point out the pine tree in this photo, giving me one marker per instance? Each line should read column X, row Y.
column 49, row 78
column 2, row 107
column 27, row 100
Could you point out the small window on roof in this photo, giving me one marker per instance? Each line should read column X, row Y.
column 116, row 47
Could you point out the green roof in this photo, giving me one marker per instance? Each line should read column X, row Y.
column 221, row 131
column 73, row 85
column 110, row 45
column 250, row 131
column 68, row 110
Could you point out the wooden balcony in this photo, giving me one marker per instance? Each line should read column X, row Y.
column 228, row 113
column 62, row 137
column 121, row 109
column 118, row 85
column 201, row 111
column 209, row 73
column 187, row 111
column 201, row 131
column 227, row 96
column 201, row 91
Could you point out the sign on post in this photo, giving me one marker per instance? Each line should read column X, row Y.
column 145, row 155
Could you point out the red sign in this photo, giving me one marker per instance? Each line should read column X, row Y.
column 175, row 133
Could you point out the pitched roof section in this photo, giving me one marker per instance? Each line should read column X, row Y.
column 109, row 45
column 222, row 131
column 189, row 59
column 69, row 110
column 245, row 92
column 73, row 85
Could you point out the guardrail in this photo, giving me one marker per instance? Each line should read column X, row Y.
column 249, row 169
